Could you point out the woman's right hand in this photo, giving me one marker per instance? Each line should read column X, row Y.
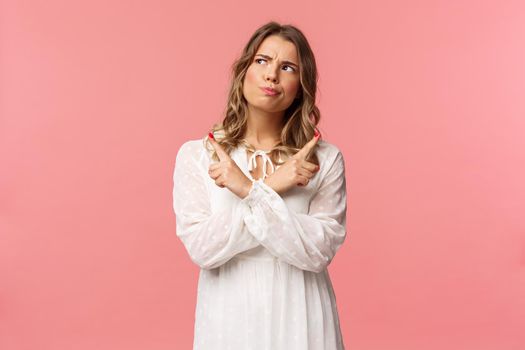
column 226, row 173
column 296, row 171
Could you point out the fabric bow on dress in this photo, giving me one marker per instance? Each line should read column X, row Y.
column 252, row 163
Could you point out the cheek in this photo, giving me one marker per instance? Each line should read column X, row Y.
column 249, row 79
column 246, row 84
column 292, row 87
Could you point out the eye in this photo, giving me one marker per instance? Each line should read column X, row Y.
column 262, row 59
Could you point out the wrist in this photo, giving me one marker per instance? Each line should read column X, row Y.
column 268, row 182
column 247, row 187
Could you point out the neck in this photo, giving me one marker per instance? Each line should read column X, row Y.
column 263, row 129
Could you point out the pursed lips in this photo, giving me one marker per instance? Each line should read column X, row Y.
column 269, row 91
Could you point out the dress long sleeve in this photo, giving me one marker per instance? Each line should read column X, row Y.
column 307, row 241
column 211, row 239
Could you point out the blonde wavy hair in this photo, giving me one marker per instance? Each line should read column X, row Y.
column 300, row 118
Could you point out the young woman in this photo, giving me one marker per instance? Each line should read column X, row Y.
column 260, row 206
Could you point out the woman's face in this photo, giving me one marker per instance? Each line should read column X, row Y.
column 274, row 65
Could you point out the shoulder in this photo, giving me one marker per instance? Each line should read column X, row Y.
column 331, row 159
column 328, row 152
column 193, row 144
column 193, row 149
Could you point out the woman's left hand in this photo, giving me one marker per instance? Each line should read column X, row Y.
column 296, row 171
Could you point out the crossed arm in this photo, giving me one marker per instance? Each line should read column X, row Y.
column 307, row 241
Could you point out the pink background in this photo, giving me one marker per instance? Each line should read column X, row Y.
column 425, row 99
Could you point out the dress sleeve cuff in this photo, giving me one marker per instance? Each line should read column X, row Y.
column 257, row 192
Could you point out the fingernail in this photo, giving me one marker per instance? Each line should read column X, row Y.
column 210, row 135
column 317, row 133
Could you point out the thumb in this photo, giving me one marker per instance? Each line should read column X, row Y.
column 221, row 153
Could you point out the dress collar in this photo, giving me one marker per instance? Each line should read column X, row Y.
column 252, row 161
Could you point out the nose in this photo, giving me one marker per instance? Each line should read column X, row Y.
column 271, row 75
column 271, row 78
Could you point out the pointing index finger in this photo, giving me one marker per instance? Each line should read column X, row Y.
column 221, row 153
column 308, row 147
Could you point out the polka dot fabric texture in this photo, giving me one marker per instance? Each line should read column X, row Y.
column 263, row 280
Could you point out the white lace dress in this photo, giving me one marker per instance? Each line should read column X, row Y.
column 263, row 281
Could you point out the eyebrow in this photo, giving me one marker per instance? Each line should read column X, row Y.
column 284, row 61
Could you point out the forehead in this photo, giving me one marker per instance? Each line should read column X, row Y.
column 276, row 46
